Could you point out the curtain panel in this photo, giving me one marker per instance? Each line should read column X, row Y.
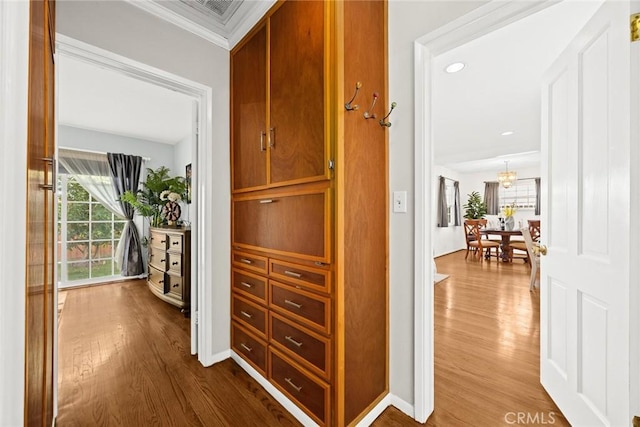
column 457, row 207
column 442, row 214
column 537, row 212
column 492, row 198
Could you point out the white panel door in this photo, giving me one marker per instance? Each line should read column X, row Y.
column 585, row 277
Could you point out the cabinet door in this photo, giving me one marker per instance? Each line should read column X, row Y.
column 296, row 136
column 248, row 97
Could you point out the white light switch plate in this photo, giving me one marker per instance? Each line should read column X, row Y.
column 400, row 201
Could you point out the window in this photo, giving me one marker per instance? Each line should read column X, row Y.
column 522, row 193
column 88, row 234
column 451, row 196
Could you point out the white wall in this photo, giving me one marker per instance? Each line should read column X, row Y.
column 408, row 20
column 446, row 239
column 126, row 30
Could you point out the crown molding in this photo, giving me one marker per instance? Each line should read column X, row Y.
column 174, row 18
column 242, row 23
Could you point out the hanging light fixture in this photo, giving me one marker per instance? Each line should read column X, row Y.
column 507, row 177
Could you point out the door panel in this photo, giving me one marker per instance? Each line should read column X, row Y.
column 585, row 276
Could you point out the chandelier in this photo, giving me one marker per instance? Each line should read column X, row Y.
column 507, row 177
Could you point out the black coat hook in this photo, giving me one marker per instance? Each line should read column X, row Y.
column 382, row 121
column 348, row 105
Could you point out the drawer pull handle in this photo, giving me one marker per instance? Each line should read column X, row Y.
column 288, row 380
column 293, row 274
column 266, row 201
column 246, row 347
column 176, row 285
column 162, row 241
column 246, row 261
column 293, row 304
column 162, row 260
column 161, row 281
column 175, row 243
column 174, row 263
column 245, row 314
column 246, row 285
column 292, row 341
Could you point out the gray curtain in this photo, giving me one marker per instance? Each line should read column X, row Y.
column 457, row 209
column 443, row 218
column 125, row 173
column 537, row 212
column 491, row 197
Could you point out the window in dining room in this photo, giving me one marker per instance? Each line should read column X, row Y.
column 451, row 194
column 522, row 194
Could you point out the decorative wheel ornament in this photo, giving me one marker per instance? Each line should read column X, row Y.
column 171, row 211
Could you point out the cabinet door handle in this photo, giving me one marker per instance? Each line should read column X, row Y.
column 246, row 285
column 246, row 347
column 52, row 164
column 266, row 201
column 292, row 341
column 246, row 261
column 288, row 380
column 292, row 274
column 272, row 137
column 245, row 314
column 293, row 304
column 262, row 136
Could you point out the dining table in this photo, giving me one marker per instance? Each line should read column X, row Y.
column 505, row 248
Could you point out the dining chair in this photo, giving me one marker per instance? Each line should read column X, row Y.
column 533, row 257
column 534, row 229
column 474, row 239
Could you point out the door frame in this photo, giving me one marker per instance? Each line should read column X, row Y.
column 202, row 177
column 483, row 20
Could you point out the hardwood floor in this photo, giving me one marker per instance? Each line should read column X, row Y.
column 124, row 359
column 487, row 346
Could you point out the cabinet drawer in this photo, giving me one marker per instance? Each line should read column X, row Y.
column 308, row 348
column 295, row 225
column 312, row 310
column 174, row 263
column 250, row 262
column 316, row 279
column 157, row 279
column 174, row 243
column 250, row 285
column 175, row 286
column 158, row 240
column 311, row 393
column 250, row 348
column 250, row 315
column 157, row 258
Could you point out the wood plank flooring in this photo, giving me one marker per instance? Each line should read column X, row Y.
column 124, row 359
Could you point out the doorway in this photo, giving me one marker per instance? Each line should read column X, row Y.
column 478, row 23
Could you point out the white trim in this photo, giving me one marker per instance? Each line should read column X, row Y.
column 476, row 23
column 249, row 20
column 292, row 408
column 168, row 15
column 202, row 178
column 14, row 66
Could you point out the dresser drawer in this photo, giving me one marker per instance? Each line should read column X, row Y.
column 307, row 347
column 302, row 306
column 254, row 263
column 311, row 393
column 250, row 285
column 157, row 258
column 158, row 240
column 250, row 315
column 251, row 349
column 174, row 263
column 157, row 279
column 313, row 278
column 295, row 224
column 174, row 243
column 175, row 285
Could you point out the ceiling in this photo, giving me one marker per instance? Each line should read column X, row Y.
column 499, row 90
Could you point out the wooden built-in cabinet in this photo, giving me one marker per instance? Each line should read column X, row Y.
column 309, row 300
column 170, row 265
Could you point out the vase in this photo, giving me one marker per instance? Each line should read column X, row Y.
column 509, row 223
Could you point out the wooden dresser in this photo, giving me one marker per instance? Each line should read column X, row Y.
column 309, row 300
column 170, row 265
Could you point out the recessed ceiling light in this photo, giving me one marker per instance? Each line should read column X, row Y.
column 454, row 68
column 507, row 133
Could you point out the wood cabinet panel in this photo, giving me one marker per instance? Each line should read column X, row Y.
column 156, row 279
column 157, row 258
column 249, row 112
column 252, row 349
column 296, row 274
column 250, row 262
column 294, row 224
column 304, row 307
column 311, row 393
column 297, row 146
column 158, row 240
column 250, row 315
column 250, row 285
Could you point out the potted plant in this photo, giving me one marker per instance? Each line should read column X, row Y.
column 475, row 208
column 156, row 191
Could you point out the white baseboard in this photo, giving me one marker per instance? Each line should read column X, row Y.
column 375, row 412
column 406, row 407
column 297, row 413
column 212, row 359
